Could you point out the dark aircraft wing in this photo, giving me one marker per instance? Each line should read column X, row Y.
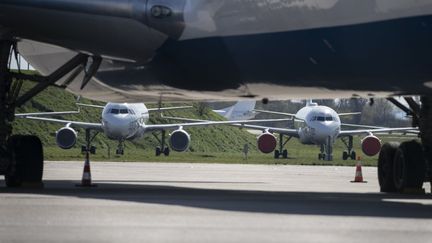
column 219, row 50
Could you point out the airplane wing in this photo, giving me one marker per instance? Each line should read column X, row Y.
column 379, row 130
column 150, row 110
column 199, row 123
column 170, row 108
column 285, row 131
column 245, row 124
column 349, row 113
column 360, row 126
column 89, row 105
column 275, row 113
column 59, row 113
column 76, row 124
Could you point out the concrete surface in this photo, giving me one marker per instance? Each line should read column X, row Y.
column 158, row 202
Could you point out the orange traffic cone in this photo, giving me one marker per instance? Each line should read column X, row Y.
column 358, row 174
column 86, row 180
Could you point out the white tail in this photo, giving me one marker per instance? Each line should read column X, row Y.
column 242, row 110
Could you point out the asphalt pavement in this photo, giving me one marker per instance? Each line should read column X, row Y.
column 181, row 202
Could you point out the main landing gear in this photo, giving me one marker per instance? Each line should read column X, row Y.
column 21, row 156
column 281, row 151
column 163, row 148
column 349, row 153
column 403, row 167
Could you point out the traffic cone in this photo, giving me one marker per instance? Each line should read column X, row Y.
column 86, row 180
column 358, row 178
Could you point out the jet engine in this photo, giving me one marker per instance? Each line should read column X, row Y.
column 66, row 137
column 179, row 140
column 266, row 142
column 371, row 145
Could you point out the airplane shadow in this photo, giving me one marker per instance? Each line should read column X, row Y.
column 278, row 202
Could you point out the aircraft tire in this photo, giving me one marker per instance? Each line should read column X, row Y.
column 353, row 155
column 158, row 151
column 344, row 155
column 166, row 151
column 276, row 154
column 285, row 154
column 409, row 166
column 27, row 161
column 385, row 167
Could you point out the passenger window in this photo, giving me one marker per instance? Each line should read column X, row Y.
column 114, row 111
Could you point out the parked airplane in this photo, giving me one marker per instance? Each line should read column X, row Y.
column 121, row 122
column 242, row 110
column 319, row 125
column 206, row 50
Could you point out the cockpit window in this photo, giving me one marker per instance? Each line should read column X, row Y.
column 329, row 118
column 321, row 118
column 124, row 111
column 115, row 111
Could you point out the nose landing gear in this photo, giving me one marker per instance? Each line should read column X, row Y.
column 326, row 150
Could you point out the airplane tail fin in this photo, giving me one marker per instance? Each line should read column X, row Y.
column 311, row 103
column 242, row 110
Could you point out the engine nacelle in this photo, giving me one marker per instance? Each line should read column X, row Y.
column 179, row 140
column 66, row 137
column 267, row 142
column 371, row 145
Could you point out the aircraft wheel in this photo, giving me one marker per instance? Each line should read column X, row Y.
column 285, row 154
column 158, row 151
column 166, row 151
column 26, row 161
column 353, row 155
column 385, row 167
column 276, row 154
column 345, row 155
column 409, row 166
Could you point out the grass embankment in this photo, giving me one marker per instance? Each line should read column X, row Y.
column 214, row 144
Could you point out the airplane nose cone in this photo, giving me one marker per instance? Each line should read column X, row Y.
column 117, row 128
column 322, row 133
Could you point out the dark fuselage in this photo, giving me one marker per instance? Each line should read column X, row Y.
column 275, row 49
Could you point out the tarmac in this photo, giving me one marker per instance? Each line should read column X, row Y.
column 181, row 202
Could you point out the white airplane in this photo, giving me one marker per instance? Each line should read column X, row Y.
column 125, row 50
column 242, row 110
column 318, row 125
column 121, row 122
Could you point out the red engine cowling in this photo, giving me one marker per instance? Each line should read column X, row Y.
column 267, row 142
column 371, row 145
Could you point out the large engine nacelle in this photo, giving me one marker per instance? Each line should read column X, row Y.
column 179, row 140
column 66, row 137
column 371, row 145
column 267, row 142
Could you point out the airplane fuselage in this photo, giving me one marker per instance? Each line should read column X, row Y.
column 274, row 49
column 317, row 124
column 122, row 121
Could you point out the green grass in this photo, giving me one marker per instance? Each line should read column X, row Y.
column 214, row 144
